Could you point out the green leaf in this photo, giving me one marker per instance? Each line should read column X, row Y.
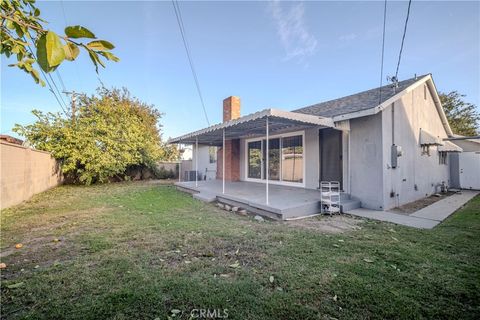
column 96, row 60
column 42, row 53
column 71, row 51
column 15, row 285
column 109, row 56
column 19, row 30
column 10, row 24
column 100, row 45
column 28, row 67
column 50, row 51
column 79, row 32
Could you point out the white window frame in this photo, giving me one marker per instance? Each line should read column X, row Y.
column 279, row 182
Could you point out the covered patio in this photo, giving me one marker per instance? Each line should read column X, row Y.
column 260, row 124
column 279, row 201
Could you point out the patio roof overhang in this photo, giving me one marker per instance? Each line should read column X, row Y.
column 449, row 147
column 254, row 125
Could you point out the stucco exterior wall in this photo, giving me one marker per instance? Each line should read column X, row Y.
column 204, row 166
column 366, row 182
column 417, row 175
column 25, row 172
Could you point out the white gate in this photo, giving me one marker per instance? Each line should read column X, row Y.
column 469, row 167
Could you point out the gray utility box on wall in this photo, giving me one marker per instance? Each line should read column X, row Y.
column 396, row 152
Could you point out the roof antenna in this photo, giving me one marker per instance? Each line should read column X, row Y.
column 394, row 81
column 415, row 76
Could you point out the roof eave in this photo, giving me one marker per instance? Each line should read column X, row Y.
column 372, row 111
column 383, row 105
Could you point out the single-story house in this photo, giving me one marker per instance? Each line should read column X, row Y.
column 386, row 147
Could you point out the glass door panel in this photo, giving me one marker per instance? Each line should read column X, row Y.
column 292, row 159
column 274, row 159
column 255, row 159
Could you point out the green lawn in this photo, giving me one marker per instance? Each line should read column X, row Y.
column 139, row 251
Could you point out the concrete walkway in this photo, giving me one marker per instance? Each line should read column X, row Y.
column 425, row 218
column 440, row 210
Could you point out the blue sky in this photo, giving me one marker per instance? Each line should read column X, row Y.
column 282, row 54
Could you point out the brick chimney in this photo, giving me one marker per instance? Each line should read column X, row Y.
column 231, row 108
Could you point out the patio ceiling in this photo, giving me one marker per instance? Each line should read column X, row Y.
column 254, row 125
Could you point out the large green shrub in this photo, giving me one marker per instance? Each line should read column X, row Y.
column 109, row 132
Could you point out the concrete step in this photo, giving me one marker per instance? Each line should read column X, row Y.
column 301, row 210
column 205, row 196
column 344, row 196
column 251, row 209
column 350, row 204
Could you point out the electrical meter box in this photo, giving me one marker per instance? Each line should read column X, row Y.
column 396, row 152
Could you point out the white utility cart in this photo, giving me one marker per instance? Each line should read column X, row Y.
column 330, row 196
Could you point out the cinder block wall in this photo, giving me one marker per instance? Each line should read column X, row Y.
column 25, row 172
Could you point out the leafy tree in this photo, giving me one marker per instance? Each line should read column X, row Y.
column 462, row 116
column 22, row 28
column 110, row 132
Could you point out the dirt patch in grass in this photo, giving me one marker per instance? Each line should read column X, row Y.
column 420, row 204
column 327, row 224
column 160, row 182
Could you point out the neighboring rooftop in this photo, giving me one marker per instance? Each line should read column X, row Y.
column 10, row 139
column 359, row 101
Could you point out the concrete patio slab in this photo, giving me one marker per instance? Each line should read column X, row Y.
column 440, row 210
column 405, row 220
column 285, row 202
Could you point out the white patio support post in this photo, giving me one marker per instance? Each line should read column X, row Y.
column 223, row 162
column 196, row 162
column 179, row 165
column 267, row 164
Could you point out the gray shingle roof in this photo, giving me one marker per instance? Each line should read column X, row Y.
column 358, row 101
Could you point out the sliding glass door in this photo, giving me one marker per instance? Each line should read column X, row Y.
column 255, row 160
column 285, row 159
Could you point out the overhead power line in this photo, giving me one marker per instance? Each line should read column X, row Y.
column 383, row 50
column 403, row 39
column 178, row 15
column 58, row 90
column 61, row 80
column 59, row 76
column 48, row 82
